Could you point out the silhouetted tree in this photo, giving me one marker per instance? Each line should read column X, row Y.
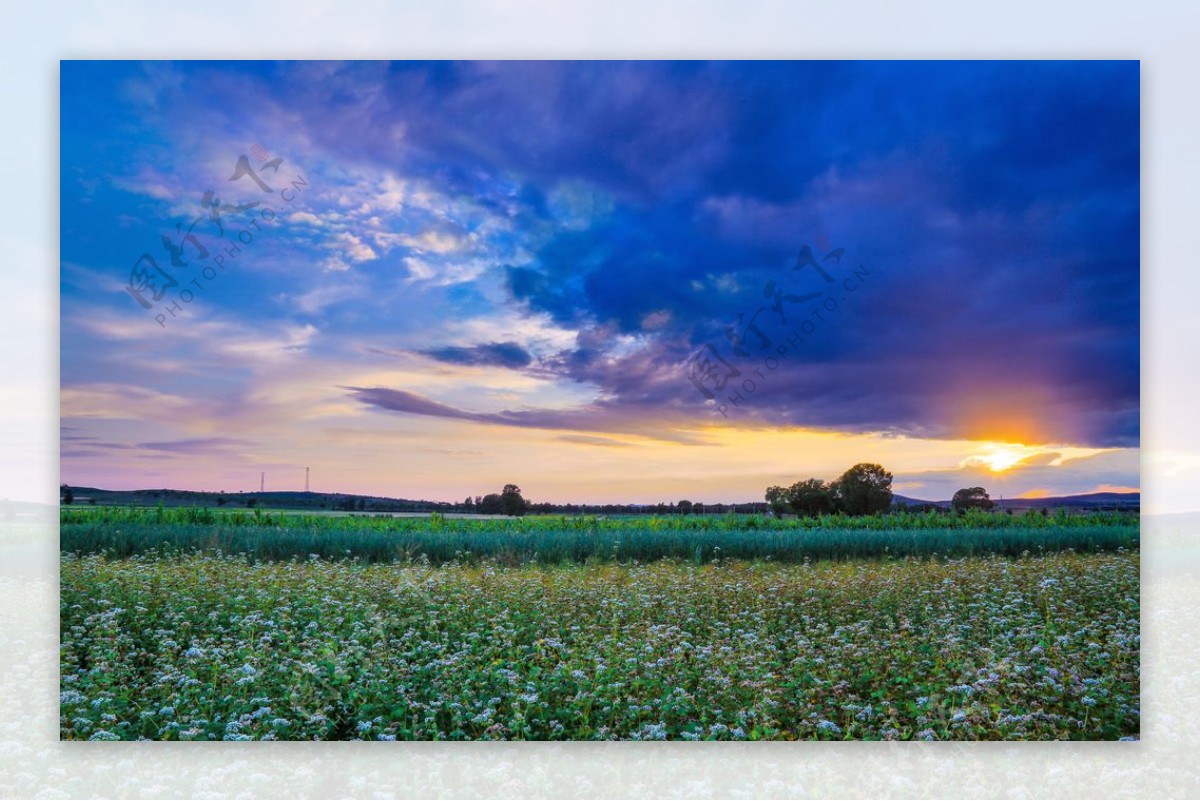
column 511, row 502
column 777, row 500
column 971, row 498
column 863, row 489
column 489, row 504
column 810, row 498
column 685, row 507
column 68, row 495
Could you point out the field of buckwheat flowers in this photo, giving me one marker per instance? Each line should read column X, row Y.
column 212, row 646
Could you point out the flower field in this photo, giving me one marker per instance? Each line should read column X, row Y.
column 213, row 646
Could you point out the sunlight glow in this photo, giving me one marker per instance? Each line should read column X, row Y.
column 1003, row 459
column 1000, row 456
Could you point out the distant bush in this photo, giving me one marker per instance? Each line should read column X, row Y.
column 971, row 498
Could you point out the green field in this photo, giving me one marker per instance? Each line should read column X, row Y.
column 551, row 540
column 302, row 627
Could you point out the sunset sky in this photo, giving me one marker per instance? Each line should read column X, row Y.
column 466, row 274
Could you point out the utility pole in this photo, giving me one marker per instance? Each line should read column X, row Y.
column 262, row 481
column 306, row 479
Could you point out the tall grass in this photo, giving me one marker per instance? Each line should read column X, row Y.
column 971, row 519
column 281, row 536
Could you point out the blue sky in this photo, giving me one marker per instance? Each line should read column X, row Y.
column 488, row 272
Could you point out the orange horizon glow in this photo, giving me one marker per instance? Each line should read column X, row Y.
column 438, row 459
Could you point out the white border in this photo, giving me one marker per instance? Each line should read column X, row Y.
column 1162, row 35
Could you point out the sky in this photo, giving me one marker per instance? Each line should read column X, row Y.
column 602, row 281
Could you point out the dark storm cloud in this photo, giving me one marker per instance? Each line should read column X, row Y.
column 996, row 204
column 599, row 417
column 498, row 354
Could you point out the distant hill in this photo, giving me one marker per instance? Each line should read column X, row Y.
column 1093, row 500
column 344, row 502
column 371, row 503
column 334, row 501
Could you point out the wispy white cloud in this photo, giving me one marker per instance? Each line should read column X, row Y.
column 305, row 218
column 352, row 247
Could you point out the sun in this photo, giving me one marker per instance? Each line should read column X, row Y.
column 1003, row 459
column 999, row 458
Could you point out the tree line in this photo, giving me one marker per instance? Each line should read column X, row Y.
column 510, row 502
column 864, row 489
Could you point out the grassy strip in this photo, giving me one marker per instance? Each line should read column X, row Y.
column 517, row 542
